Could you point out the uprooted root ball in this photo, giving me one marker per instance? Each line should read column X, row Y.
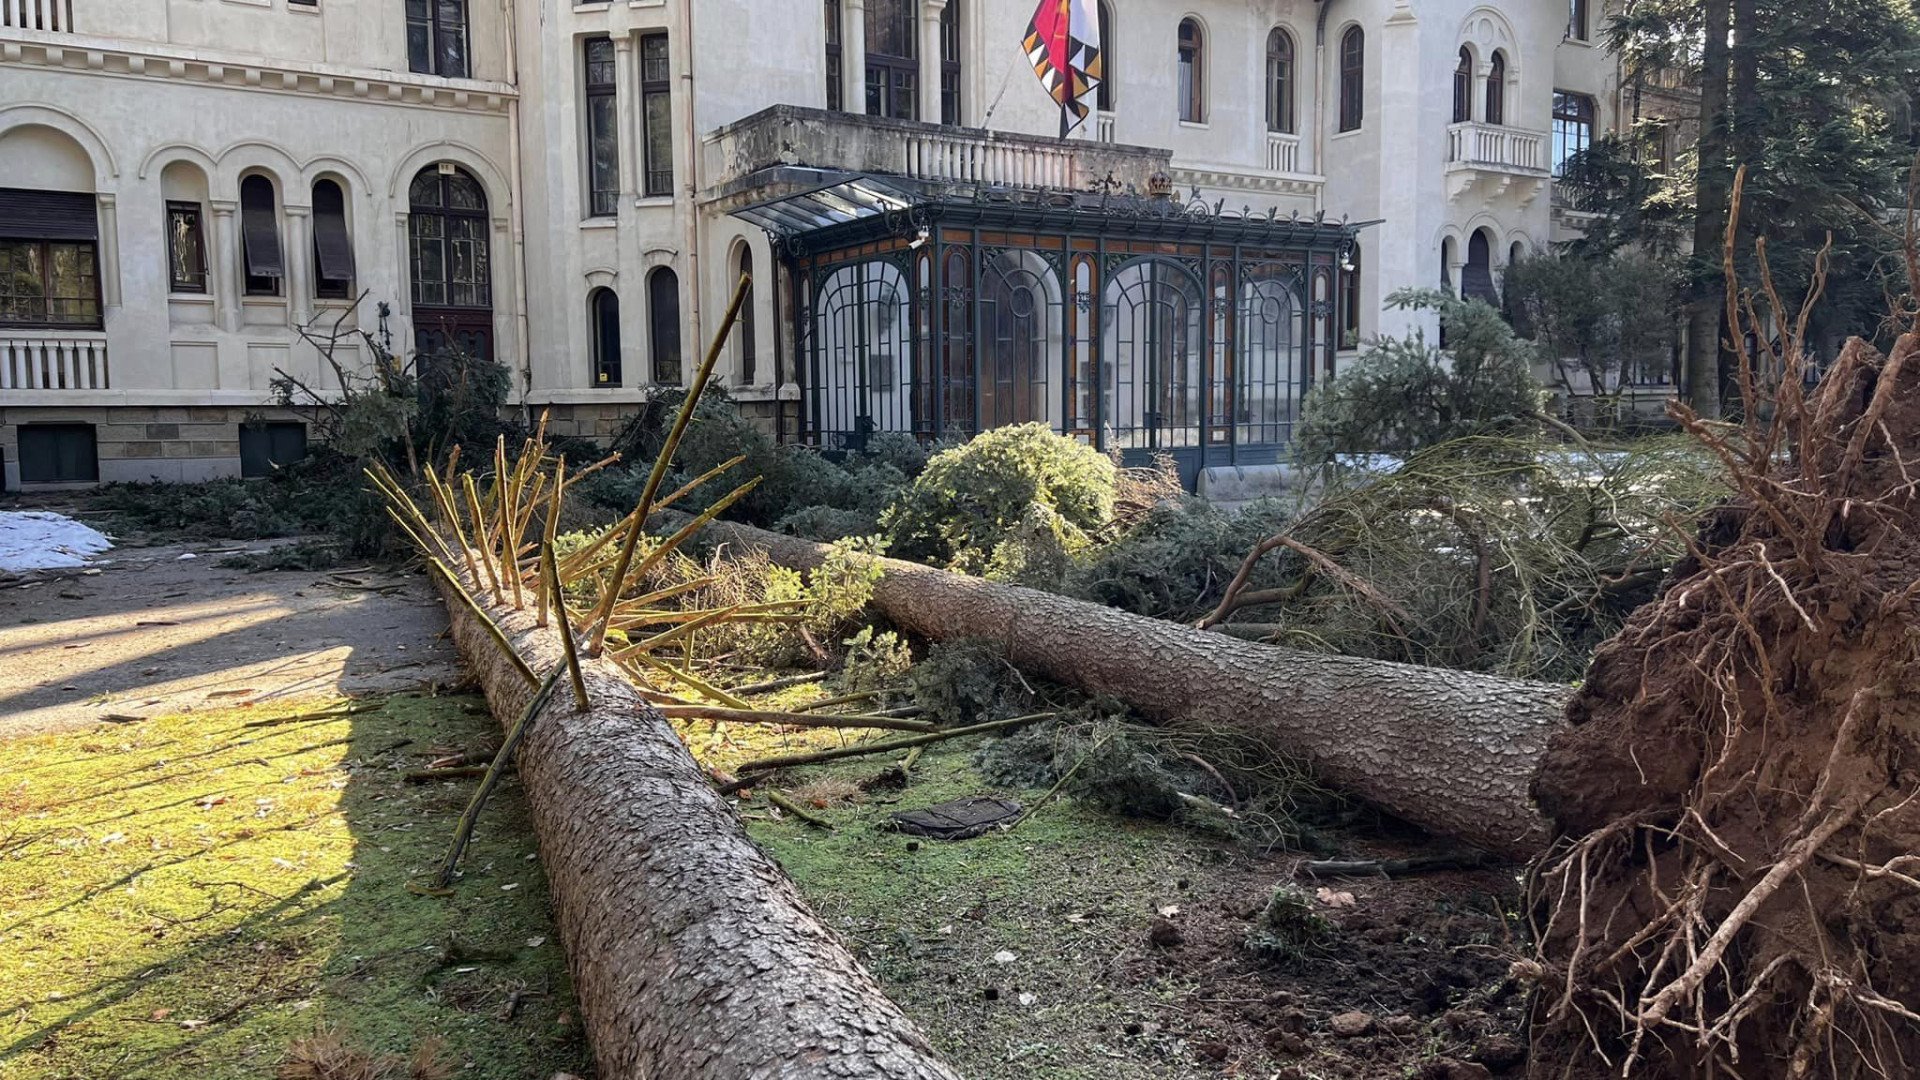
column 1735, row 891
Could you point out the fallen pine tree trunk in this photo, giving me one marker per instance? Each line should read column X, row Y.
column 691, row 952
column 1451, row 751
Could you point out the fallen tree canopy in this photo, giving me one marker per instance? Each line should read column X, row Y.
column 1450, row 751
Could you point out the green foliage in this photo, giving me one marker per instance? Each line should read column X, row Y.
column 323, row 494
column 972, row 498
column 1611, row 317
column 968, row 681
column 875, row 661
column 1290, row 928
column 1404, row 394
column 1174, row 562
column 800, row 491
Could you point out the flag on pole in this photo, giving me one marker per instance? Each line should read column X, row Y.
column 1063, row 44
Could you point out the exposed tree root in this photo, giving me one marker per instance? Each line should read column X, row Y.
column 1731, row 892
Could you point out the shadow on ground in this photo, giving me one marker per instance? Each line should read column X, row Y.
column 183, row 898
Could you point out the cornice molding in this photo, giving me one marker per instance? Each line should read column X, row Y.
column 1272, row 183
column 116, row 58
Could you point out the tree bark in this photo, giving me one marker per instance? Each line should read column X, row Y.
column 1713, row 189
column 1450, row 751
column 692, row 953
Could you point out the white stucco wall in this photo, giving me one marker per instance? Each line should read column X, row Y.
column 298, row 92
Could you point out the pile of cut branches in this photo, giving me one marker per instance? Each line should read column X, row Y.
column 1734, row 890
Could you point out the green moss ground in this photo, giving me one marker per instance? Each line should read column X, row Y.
column 1067, row 893
column 184, row 897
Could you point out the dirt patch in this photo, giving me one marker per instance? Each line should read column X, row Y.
column 1736, row 796
column 1081, row 945
column 165, row 629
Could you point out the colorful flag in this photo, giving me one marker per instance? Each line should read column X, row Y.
column 1063, row 43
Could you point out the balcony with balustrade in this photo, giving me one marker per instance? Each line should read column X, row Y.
column 49, row 16
column 1492, row 160
column 53, row 360
column 790, row 146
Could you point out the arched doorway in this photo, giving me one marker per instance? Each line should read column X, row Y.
column 1020, row 319
column 450, row 262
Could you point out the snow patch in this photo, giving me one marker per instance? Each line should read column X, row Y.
column 41, row 540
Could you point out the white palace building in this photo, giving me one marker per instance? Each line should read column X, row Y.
column 574, row 188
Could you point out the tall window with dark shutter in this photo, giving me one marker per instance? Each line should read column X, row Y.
column 1463, row 87
column 1350, row 300
column 604, row 312
column 656, row 112
column 1103, row 95
column 332, row 242
column 186, row 248
column 260, row 237
column 836, row 69
column 1497, row 89
column 1577, row 20
column 663, row 325
column 1192, row 73
column 1353, row 78
column 749, row 345
column 893, row 60
column 603, row 131
column 437, row 38
column 49, row 259
column 1280, row 81
column 950, row 63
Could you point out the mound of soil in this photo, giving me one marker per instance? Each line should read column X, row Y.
column 1733, row 891
column 1411, row 978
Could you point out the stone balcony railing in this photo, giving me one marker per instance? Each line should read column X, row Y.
column 53, row 359
column 1283, row 152
column 791, row 136
column 49, row 15
column 1496, row 146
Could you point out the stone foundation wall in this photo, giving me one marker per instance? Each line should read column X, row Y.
column 137, row 443
column 185, row 444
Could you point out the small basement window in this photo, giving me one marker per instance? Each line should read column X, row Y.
column 58, row 454
column 270, row 446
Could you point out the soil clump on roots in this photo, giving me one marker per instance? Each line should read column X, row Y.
column 1734, row 891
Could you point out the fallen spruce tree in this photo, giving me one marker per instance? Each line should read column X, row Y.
column 1450, row 751
column 691, row 951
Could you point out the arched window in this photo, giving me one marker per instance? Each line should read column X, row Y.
column 749, row 342
column 451, row 262
column 332, row 243
column 1353, row 70
column 260, row 236
column 437, row 38
column 663, row 325
column 1446, row 265
column 603, row 310
column 950, row 63
column 1193, row 60
column 1280, row 81
column 1103, row 94
column 836, row 74
column 1476, row 278
column 893, row 59
column 1497, row 89
column 1463, row 87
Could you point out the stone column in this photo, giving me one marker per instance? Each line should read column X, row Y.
column 298, row 258
column 930, row 12
column 626, row 80
column 853, row 54
column 109, row 249
column 223, row 263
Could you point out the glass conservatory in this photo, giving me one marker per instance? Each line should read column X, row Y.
column 1139, row 324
